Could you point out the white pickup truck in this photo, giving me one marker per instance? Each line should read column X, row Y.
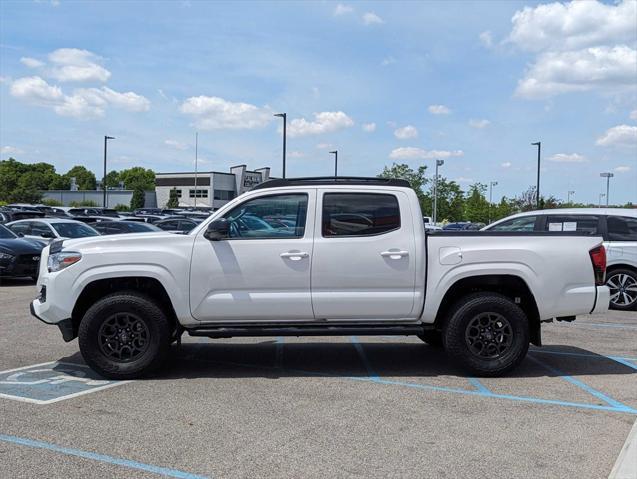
column 317, row 256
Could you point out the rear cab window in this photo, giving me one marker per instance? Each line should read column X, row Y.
column 359, row 214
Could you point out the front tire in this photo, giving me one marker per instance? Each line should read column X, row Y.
column 623, row 289
column 487, row 334
column 124, row 335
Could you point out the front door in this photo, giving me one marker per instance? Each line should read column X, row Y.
column 262, row 270
column 364, row 262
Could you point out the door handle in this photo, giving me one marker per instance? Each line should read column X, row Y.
column 294, row 255
column 395, row 254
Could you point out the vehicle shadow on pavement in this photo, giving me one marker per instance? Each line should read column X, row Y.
column 273, row 359
column 13, row 282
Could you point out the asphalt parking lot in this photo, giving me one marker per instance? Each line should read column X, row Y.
column 316, row 407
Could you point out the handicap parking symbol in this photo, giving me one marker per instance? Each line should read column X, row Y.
column 51, row 382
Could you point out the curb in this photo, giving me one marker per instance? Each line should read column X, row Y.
column 626, row 465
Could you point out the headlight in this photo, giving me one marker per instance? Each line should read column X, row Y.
column 59, row 261
column 6, row 256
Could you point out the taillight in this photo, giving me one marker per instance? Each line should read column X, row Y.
column 598, row 258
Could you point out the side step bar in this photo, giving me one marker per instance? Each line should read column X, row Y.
column 306, row 330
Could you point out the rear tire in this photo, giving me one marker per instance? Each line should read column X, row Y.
column 432, row 338
column 487, row 334
column 623, row 289
column 124, row 335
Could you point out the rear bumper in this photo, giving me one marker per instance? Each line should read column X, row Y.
column 602, row 300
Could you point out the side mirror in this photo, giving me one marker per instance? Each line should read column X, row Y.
column 217, row 230
column 47, row 235
column 20, row 235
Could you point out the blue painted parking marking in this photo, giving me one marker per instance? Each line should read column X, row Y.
column 479, row 389
column 162, row 471
column 51, row 382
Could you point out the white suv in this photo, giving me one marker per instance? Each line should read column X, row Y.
column 618, row 227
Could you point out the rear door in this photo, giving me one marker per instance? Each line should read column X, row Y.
column 364, row 260
column 622, row 251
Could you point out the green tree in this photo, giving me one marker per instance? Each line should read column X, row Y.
column 138, row 177
column 139, row 198
column 112, row 179
column 84, row 178
column 416, row 178
column 476, row 206
column 173, row 200
column 450, row 200
column 10, row 172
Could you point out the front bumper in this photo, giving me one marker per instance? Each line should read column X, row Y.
column 21, row 265
column 65, row 325
column 602, row 300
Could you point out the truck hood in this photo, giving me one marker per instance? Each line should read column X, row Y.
column 124, row 240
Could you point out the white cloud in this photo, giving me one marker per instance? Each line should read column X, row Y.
column 620, row 135
column 413, row 153
column 388, row 61
column 73, row 64
column 633, row 115
column 36, row 91
column 82, row 103
column 214, row 113
column 176, row 144
column 486, row 38
column 479, row 123
column 295, row 154
column 574, row 25
column 463, row 179
column 438, row 110
column 506, row 164
column 369, row 127
column 342, row 9
column 582, row 70
column 567, row 158
column 370, row 18
column 10, row 150
column 406, row 132
column 324, row 122
column 324, row 146
column 31, row 62
column 623, row 169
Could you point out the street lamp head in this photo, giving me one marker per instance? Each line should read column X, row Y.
column 334, row 152
column 537, row 143
column 281, row 115
column 494, row 183
column 440, row 162
column 109, row 137
column 606, row 175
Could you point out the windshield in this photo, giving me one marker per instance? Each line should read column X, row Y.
column 6, row 233
column 135, row 227
column 74, row 230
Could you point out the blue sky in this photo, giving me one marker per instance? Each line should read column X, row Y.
column 473, row 83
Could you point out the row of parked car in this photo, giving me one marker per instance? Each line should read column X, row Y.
column 26, row 229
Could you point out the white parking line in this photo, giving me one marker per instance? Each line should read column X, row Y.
column 626, row 465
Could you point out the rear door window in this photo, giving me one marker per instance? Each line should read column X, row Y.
column 621, row 228
column 580, row 223
column 24, row 228
column 359, row 214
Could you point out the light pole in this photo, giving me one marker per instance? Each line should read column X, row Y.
column 335, row 153
column 608, row 176
column 537, row 188
column 570, row 192
column 599, row 203
column 106, row 138
column 435, row 212
column 196, row 161
column 491, row 185
column 285, row 121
